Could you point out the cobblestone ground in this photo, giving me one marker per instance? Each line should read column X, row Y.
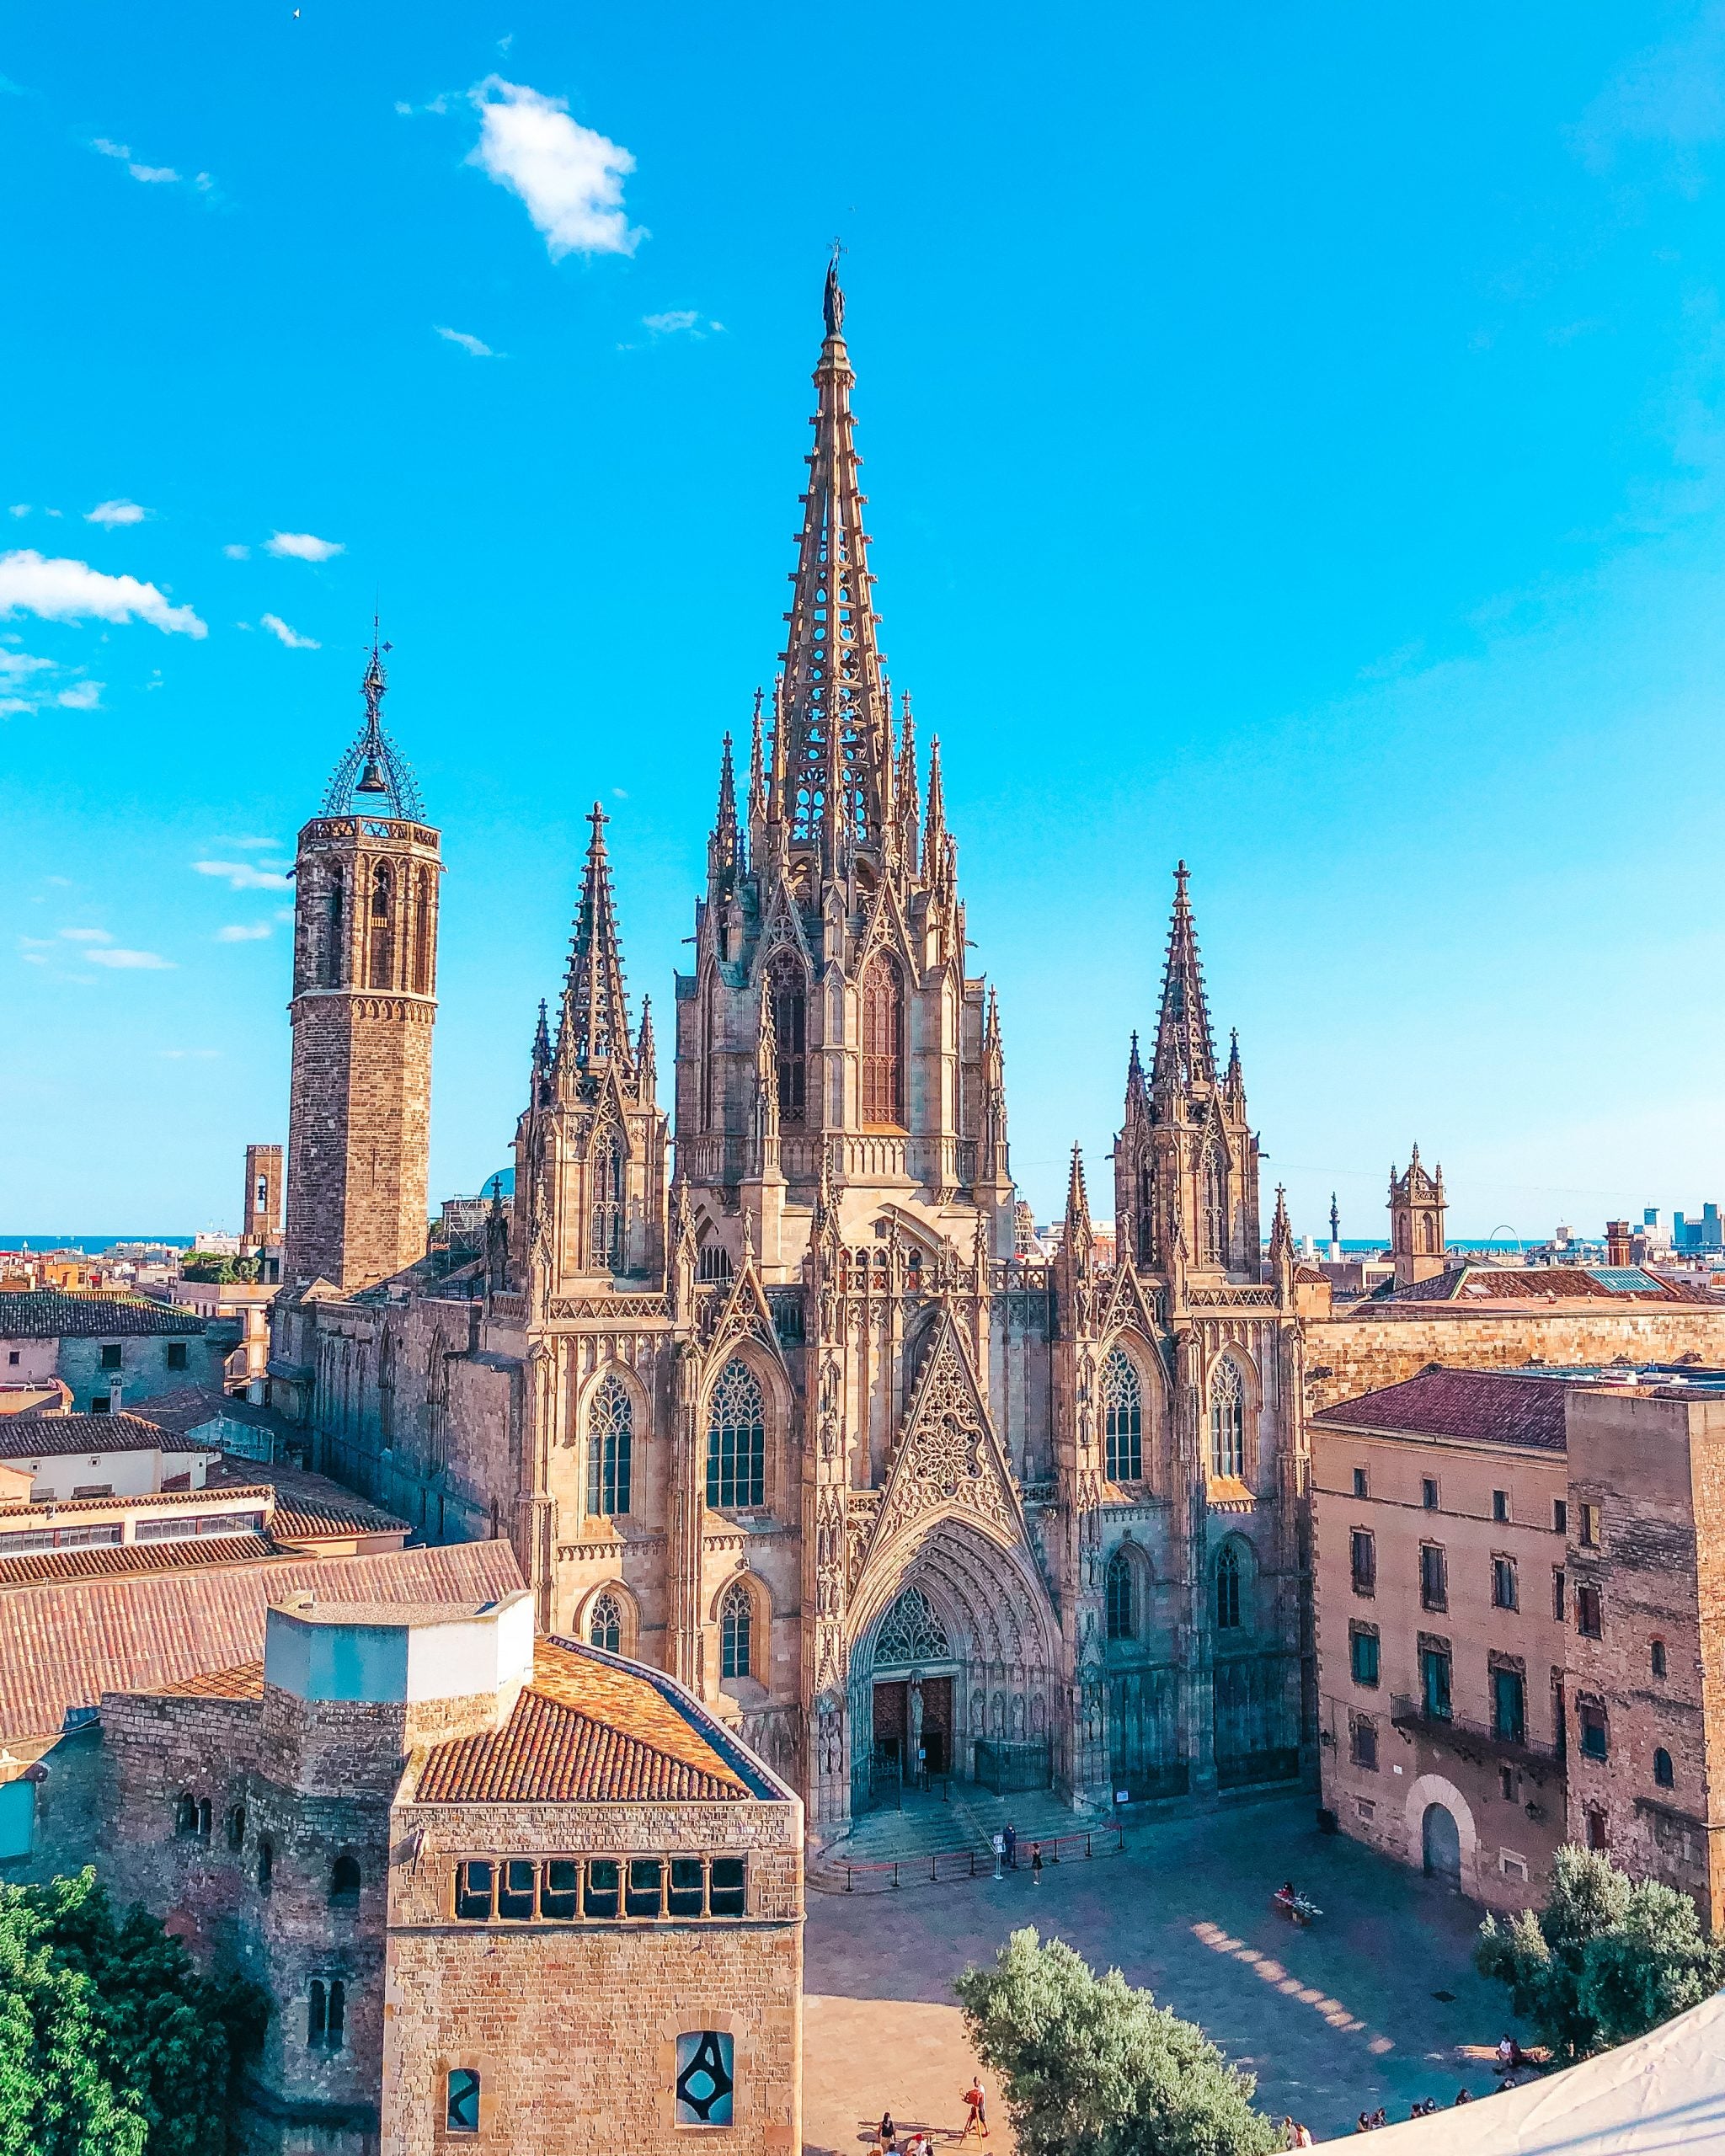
column 1375, row 2003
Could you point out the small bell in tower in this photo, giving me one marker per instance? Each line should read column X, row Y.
column 371, row 779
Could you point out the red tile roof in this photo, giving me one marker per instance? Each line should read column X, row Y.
column 110, row 1560
column 1497, row 1407
column 588, row 1730
column 44, row 1437
column 64, row 1643
column 244, row 1681
column 47, row 1314
column 1541, row 1284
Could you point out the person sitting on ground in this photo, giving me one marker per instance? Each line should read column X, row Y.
column 1464, row 2095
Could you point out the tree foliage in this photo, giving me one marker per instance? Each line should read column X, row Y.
column 1607, row 1958
column 111, row 2042
column 217, row 1268
column 1092, row 2067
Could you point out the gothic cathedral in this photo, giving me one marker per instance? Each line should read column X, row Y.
column 766, row 1394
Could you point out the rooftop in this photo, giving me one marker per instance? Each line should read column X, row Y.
column 1523, row 1407
column 590, row 1728
column 44, row 1437
column 48, row 1313
column 1470, row 1283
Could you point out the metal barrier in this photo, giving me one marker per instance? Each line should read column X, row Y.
column 934, row 1866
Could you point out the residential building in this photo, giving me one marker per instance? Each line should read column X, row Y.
column 1518, row 1586
column 106, row 1347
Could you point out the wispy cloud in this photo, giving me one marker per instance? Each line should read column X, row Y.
column 113, row 513
column 438, row 104
column 86, row 936
column 189, row 1054
column 82, row 695
column 1671, row 96
column 473, row 346
column 148, row 175
column 239, row 934
column 242, row 875
column 291, row 637
column 64, row 591
column 237, row 553
column 129, row 961
column 668, row 325
column 249, row 845
column 19, row 509
column 569, row 178
column 302, row 547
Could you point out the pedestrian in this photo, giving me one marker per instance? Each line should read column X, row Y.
column 1464, row 2095
column 888, row 2134
column 1302, row 2136
column 1036, row 1864
column 1010, row 1838
column 997, row 1843
column 978, row 2120
column 1362, row 2124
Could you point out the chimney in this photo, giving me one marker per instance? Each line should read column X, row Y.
column 1618, row 1246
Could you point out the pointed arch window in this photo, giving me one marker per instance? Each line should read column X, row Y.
column 605, row 1624
column 380, row 974
column 883, row 1042
column 1227, row 1421
column 1213, row 1207
column 329, row 965
column 611, row 1436
column 789, row 995
column 1228, row 1589
column 736, row 1626
column 604, row 1188
column 736, row 1440
column 422, row 933
column 910, row 1632
column 1122, row 1599
column 1122, row 1418
column 712, row 1031
column 1146, row 1217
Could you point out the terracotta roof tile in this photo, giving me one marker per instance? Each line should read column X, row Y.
column 47, row 1314
column 64, row 1643
column 41, row 1437
column 584, row 1732
column 111, row 1560
column 1539, row 1284
column 1499, row 1408
column 244, row 1681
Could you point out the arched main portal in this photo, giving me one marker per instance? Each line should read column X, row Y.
column 953, row 1668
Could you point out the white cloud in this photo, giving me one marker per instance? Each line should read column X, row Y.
column 237, row 553
column 242, row 875
column 62, row 590
column 236, row 934
column 667, row 325
column 105, row 148
column 130, row 961
column 154, row 175
column 472, row 345
column 251, row 845
column 16, row 665
column 303, row 546
column 86, row 936
column 113, row 513
column 291, row 637
column 570, row 178
column 20, row 508
column 82, row 695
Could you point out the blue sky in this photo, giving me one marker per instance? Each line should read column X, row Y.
column 1295, row 441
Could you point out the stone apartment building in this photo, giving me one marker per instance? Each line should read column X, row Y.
column 109, row 1348
column 503, row 1894
column 1520, row 1592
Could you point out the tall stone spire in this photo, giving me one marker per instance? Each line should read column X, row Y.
column 1184, row 1052
column 595, row 1025
column 724, row 852
column 1077, row 1232
column 834, row 754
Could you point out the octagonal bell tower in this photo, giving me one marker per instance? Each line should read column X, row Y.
column 364, row 978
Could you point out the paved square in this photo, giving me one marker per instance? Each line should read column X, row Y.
column 1334, row 2019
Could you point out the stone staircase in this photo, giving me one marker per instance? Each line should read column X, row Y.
column 936, row 1838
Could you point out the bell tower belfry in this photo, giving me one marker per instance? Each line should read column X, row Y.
column 1417, row 1209
column 365, row 979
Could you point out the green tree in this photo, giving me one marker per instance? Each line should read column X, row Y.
column 111, row 2042
column 1607, row 1958
column 215, row 1268
column 1092, row 2068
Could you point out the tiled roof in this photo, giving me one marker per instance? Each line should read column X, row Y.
column 584, row 1732
column 1539, row 1284
column 110, row 1560
column 188, row 1406
column 244, row 1681
column 1499, row 1408
column 308, row 1506
column 47, row 1314
column 64, row 1643
column 41, row 1436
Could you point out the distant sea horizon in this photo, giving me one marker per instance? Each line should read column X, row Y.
column 91, row 1245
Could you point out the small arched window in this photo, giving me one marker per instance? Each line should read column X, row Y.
column 266, row 1864
column 789, row 996
column 611, row 1429
column 345, row 1879
column 1658, row 1658
column 206, row 1818
column 382, row 973
column 334, row 929
column 605, row 1624
column 1213, row 1207
column 185, row 1815
column 713, row 1264
column 422, row 932
column 326, row 2014
column 1227, row 1421
column 736, row 1626
column 883, row 1042
column 1663, row 1773
column 1228, row 1589
column 1123, row 1616
column 1122, row 1418
column 605, row 1189
column 711, row 1033
column 736, row 1440
column 236, row 1827
column 1146, row 1217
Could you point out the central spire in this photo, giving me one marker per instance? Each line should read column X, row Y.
column 833, row 758
column 1185, row 1053
column 595, row 1025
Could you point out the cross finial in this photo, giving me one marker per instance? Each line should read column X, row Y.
column 598, row 818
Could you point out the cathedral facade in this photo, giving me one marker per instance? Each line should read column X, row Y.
column 763, row 1391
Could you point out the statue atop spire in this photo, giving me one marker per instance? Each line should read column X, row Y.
column 833, row 747
column 374, row 778
column 1185, row 1053
column 595, row 1025
column 832, row 301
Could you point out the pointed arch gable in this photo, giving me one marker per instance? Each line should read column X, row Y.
column 587, row 1606
column 885, row 928
column 780, row 928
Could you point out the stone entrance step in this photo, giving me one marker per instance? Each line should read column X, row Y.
column 933, row 1839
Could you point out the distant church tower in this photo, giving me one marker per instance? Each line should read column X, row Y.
column 1417, row 1207
column 365, row 977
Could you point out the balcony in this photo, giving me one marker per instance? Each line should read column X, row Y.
column 1468, row 1740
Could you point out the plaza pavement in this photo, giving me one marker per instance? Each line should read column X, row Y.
column 1333, row 2020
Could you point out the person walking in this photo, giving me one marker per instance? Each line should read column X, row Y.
column 1010, row 1839
column 1036, row 1864
column 888, row 2135
column 977, row 2122
column 997, row 1843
